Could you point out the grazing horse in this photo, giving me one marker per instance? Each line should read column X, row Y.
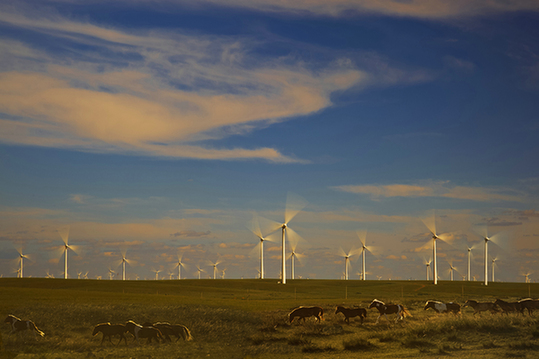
column 386, row 309
column 351, row 313
column 109, row 331
column 529, row 304
column 18, row 325
column 509, row 306
column 167, row 329
column 440, row 307
column 139, row 331
column 481, row 307
column 304, row 312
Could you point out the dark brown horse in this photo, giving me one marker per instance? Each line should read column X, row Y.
column 440, row 307
column 351, row 313
column 18, row 325
column 481, row 307
column 168, row 330
column 385, row 309
column 110, row 330
column 305, row 312
column 139, row 331
column 529, row 304
column 509, row 307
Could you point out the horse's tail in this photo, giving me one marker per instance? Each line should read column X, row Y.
column 322, row 313
column 405, row 312
column 39, row 332
column 186, row 334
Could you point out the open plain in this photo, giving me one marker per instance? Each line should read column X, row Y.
column 248, row 319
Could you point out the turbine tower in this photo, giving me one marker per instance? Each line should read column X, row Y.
column 255, row 228
column 452, row 269
column 294, row 204
column 65, row 237
column 483, row 231
column 431, row 225
column 364, row 248
column 180, row 264
column 493, row 264
column 347, row 257
column 427, row 264
column 22, row 257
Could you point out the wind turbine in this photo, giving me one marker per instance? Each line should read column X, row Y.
column 214, row 265
column 527, row 277
column 294, row 204
column 180, row 264
column 124, row 261
column 483, row 231
column 452, row 269
column 493, row 264
column 111, row 273
column 347, row 257
column 431, row 225
column 364, row 248
column 427, row 264
column 65, row 237
column 223, row 273
column 255, row 228
column 293, row 256
column 199, row 270
column 156, row 271
column 22, row 257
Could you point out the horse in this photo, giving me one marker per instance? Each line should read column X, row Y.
column 389, row 309
column 109, row 331
column 304, row 312
column 481, row 307
column 351, row 313
column 509, row 306
column 139, row 331
column 18, row 325
column 167, row 329
column 529, row 304
column 440, row 307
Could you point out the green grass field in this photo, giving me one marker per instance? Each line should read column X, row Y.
column 247, row 319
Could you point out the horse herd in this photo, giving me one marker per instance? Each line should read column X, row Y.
column 384, row 309
column 161, row 331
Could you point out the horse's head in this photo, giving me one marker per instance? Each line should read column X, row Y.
column 428, row 305
column 338, row 309
column 470, row 302
column 375, row 304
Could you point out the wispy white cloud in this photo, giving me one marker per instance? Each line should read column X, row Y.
column 436, row 189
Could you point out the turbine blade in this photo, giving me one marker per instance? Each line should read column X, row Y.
column 254, row 226
column 294, row 204
column 64, row 233
column 268, row 226
column 293, row 237
column 430, row 222
column 362, row 237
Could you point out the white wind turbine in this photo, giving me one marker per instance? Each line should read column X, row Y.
column 496, row 239
column 214, row 265
column 451, row 270
column 124, row 261
column 21, row 259
column 427, row 264
column 431, row 225
column 364, row 248
column 180, row 264
column 347, row 257
column 294, row 204
column 527, row 277
column 111, row 273
column 255, row 228
column 293, row 256
column 199, row 270
column 65, row 237
column 493, row 265
column 156, row 271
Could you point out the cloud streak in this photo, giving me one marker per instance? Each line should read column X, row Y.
column 440, row 189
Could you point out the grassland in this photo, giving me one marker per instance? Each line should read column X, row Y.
column 247, row 319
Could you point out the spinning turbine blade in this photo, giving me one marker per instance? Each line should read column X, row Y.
column 294, row 204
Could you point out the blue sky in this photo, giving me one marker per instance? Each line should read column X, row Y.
column 160, row 128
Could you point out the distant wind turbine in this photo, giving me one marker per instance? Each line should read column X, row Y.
column 111, row 273
column 364, row 248
column 493, row 264
column 214, row 265
column 431, row 225
column 156, row 271
column 294, row 204
column 483, row 231
column 347, row 256
column 427, row 264
column 180, row 264
column 22, row 257
column 293, row 256
column 452, row 269
column 255, row 228
column 124, row 261
column 65, row 237
column 199, row 270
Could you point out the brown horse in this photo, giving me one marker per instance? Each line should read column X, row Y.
column 168, row 330
column 440, row 307
column 110, row 330
column 18, row 325
column 509, row 306
column 305, row 312
column 351, row 313
column 481, row 307
column 385, row 309
column 529, row 304
column 139, row 331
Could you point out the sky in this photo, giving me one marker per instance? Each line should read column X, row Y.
column 164, row 129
